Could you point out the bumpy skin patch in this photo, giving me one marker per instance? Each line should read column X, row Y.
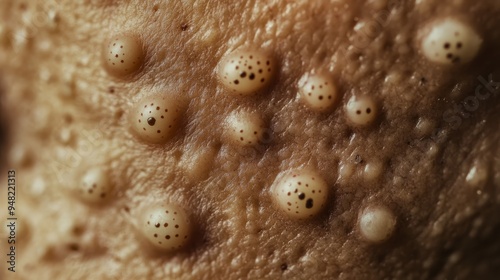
column 167, row 227
column 450, row 41
column 361, row 111
column 245, row 129
column 246, row 72
column 52, row 81
column 123, row 55
column 376, row 223
column 300, row 194
column 95, row 185
column 155, row 119
column 317, row 92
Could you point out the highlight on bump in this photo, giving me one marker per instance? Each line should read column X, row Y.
column 95, row 185
column 450, row 41
column 167, row 227
column 300, row 194
column 246, row 129
column 361, row 111
column 317, row 91
column 123, row 55
column 246, row 72
column 155, row 119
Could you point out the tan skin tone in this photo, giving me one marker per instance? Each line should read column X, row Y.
column 68, row 114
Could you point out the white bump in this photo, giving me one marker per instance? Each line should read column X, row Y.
column 361, row 111
column 245, row 129
column 300, row 194
column 424, row 127
column 477, row 175
column 318, row 92
column 123, row 55
column 450, row 41
column 376, row 223
column 246, row 72
column 167, row 227
column 346, row 171
column 373, row 170
column 155, row 119
column 94, row 185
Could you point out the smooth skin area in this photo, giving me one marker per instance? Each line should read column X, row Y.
column 66, row 113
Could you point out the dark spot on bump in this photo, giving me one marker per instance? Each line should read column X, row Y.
column 459, row 45
column 157, row 225
column 151, row 121
column 302, row 196
column 165, row 224
column 157, row 108
column 167, row 237
column 184, row 27
column 176, row 226
column 236, row 82
column 320, row 97
column 358, row 112
column 243, row 75
column 449, row 56
column 309, row 203
column 252, row 76
column 447, row 45
column 73, row 247
column 155, row 235
column 368, row 110
column 284, row 267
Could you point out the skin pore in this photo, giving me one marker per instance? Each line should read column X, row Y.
column 412, row 178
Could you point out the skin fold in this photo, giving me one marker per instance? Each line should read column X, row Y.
column 430, row 157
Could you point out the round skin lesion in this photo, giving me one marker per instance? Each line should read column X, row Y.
column 439, row 179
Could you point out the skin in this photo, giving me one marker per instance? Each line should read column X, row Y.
column 55, row 85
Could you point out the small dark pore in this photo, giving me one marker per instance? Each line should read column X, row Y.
column 73, row 247
column 184, row 27
column 151, row 121
column 309, row 203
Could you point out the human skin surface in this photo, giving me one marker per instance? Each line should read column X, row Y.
column 427, row 161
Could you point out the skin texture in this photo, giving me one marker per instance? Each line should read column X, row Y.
column 66, row 114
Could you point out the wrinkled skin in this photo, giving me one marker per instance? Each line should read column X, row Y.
column 54, row 85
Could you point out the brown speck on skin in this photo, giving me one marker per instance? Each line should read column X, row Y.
column 184, row 27
column 309, row 203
